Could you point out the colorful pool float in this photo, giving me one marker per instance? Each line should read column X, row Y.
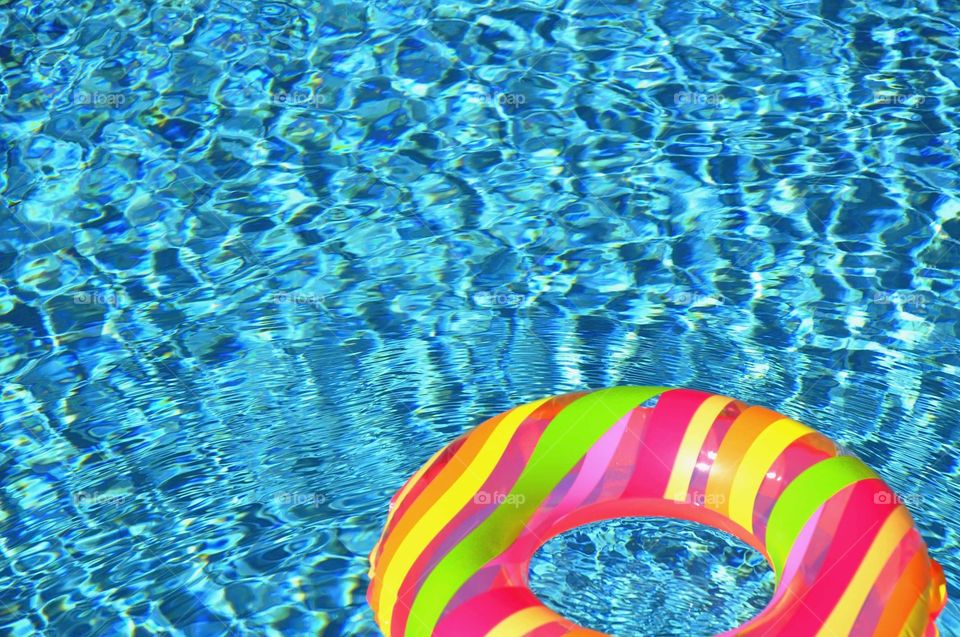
column 454, row 556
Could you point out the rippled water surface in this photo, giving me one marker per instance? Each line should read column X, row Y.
column 652, row 577
column 259, row 260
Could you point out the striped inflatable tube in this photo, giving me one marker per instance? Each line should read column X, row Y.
column 453, row 558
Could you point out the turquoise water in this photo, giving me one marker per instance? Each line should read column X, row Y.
column 260, row 260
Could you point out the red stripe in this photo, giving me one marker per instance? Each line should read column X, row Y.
column 886, row 584
column 480, row 614
column 839, row 544
column 795, row 459
column 661, row 440
column 708, row 451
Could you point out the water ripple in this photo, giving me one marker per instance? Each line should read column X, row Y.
column 259, row 261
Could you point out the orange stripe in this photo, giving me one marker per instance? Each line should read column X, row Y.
column 453, row 470
column 398, row 504
column 904, row 597
column 411, row 483
column 741, row 435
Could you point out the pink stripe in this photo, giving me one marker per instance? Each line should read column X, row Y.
column 794, row 560
column 593, row 469
column 797, row 555
column 594, row 466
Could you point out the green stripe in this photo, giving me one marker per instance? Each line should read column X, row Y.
column 801, row 499
column 564, row 442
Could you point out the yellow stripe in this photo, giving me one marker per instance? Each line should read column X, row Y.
column 844, row 614
column 764, row 450
column 916, row 625
column 693, row 438
column 449, row 504
column 399, row 500
column 524, row 621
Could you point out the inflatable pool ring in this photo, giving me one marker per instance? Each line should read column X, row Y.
column 453, row 559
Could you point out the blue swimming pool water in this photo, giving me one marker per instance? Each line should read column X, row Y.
column 260, row 260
